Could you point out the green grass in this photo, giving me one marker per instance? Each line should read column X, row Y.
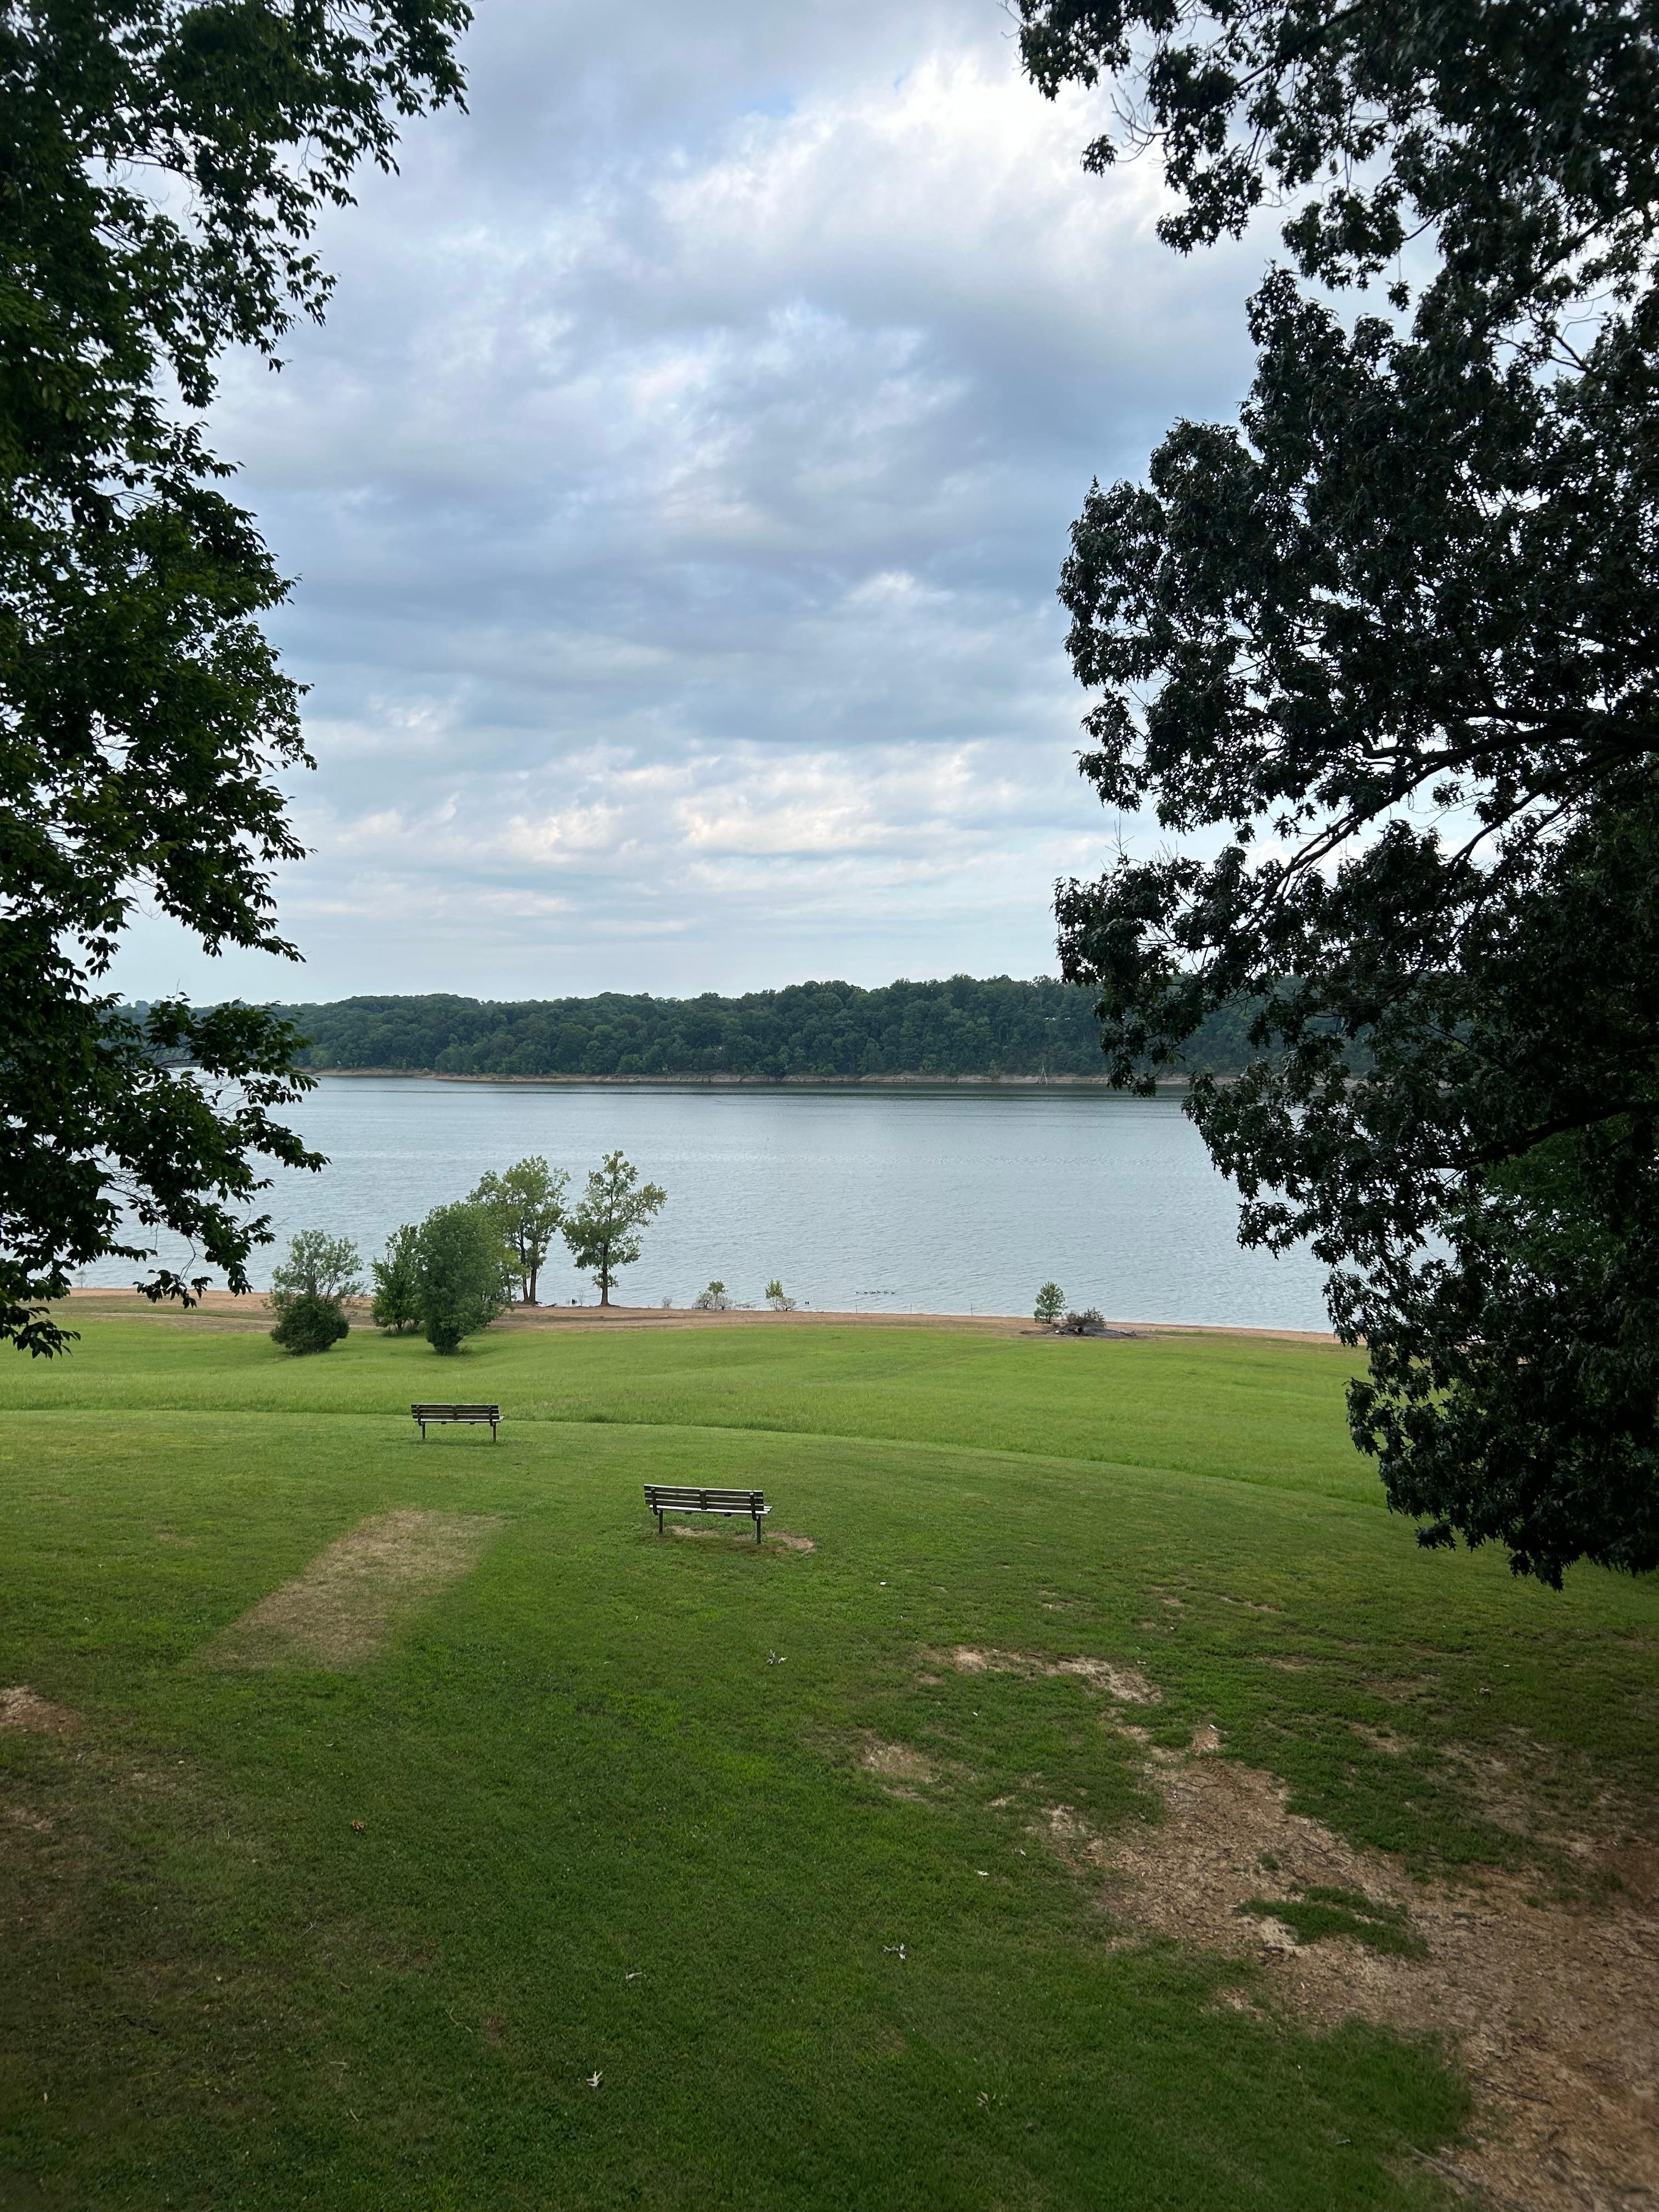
column 1256, row 1410
column 1321, row 1910
column 614, row 1817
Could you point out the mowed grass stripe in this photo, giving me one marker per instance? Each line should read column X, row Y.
column 342, row 1610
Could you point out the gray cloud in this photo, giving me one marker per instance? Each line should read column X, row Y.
column 677, row 493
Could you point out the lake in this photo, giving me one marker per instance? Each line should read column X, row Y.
column 955, row 1200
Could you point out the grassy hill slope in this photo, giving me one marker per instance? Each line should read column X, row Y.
column 697, row 1876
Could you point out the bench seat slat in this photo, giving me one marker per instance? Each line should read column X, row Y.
column 707, row 1501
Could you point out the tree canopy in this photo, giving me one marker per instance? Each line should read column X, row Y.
column 460, row 1274
column 961, row 1026
column 397, row 1279
column 165, row 167
column 317, row 1265
column 1395, row 635
column 526, row 1204
column 603, row 1228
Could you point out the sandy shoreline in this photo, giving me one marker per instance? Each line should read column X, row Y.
column 222, row 1309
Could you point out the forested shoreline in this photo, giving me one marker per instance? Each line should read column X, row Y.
column 963, row 1028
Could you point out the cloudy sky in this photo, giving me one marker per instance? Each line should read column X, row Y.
column 676, row 496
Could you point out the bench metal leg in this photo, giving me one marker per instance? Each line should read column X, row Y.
column 659, row 1522
column 757, row 1528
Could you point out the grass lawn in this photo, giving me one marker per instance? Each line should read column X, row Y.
column 645, row 1823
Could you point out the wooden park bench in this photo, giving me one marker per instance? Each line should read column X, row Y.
column 478, row 1414
column 678, row 1497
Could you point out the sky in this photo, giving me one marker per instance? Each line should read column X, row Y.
column 676, row 496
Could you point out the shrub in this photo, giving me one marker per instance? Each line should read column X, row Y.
column 714, row 1299
column 776, row 1299
column 309, row 1323
column 1050, row 1305
column 461, row 1274
column 1086, row 1323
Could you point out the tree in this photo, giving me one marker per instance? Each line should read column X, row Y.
column 318, row 1266
column 398, row 1282
column 714, row 1299
column 1050, row 1305
column 778, row 1298
column 603, row 1232
column 526, row 1203
column 145, row 722
column 461, row 1276
column 309, row 1289
column 1395, row 637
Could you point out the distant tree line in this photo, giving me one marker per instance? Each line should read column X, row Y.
column 962, row 1027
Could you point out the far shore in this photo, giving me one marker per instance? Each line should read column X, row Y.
column 724, row 1082
column 224, row 1309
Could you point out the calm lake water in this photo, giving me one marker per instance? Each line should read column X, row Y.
column 946, row 1201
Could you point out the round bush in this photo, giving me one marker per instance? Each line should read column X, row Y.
column 310, row 1323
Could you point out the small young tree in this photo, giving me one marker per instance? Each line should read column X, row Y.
column 308, row 1290
column 714, row 1299
column 318, row 1266
column 1050, row 1305
column 398, row 1282
column 777, row 1297
column 603, row 1232
column 526, row 1204
column 461, row 1274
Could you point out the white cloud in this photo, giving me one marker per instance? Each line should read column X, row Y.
column 677, row 492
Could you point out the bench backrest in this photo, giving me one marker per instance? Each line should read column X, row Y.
column 457, row 1413
column 659, row 1494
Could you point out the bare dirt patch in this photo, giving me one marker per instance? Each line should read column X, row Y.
column 744, row 1539
column 1126, row 1685
column 1554, row 2010
column 895, row 1762
column 1381, row 1739
column 343, row 1608
column 1636, row 1869
column 20, row 1708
